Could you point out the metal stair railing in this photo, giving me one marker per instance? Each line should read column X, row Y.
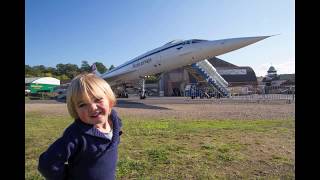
column 205, row 69
column 210, row 80
column 208, row 68
column 212, row 72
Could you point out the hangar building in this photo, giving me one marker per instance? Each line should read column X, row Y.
column 241, row 79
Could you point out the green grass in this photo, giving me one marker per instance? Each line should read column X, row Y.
column 184, row 149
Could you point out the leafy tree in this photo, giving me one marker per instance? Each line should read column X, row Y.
column 28, row 71
column 38, row 70
column 63, row 78
column 111, row 67
column 48, row 74
column 51, row 71
column 41, row 68
column 70, row 70
column 85, row 67
column 100, row 67
column 61, row 69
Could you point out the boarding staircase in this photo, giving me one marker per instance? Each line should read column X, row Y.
column 203, row 71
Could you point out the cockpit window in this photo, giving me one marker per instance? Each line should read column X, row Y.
column 173, row 41
column 186, row 42
column 197, row 40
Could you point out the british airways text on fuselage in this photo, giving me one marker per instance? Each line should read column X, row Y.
column 145, row 61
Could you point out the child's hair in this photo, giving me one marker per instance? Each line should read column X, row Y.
column 86, row 86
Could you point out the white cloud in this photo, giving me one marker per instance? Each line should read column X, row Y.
column 287, row 67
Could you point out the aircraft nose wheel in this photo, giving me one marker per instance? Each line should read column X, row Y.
column 142, row 96
column 142, row 91
column 123, row 95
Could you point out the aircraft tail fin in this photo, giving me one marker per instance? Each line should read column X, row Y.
column 94, row 70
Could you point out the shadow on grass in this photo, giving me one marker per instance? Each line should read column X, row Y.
column 130, row 104
column 120, row 103
column 44, row 101
column 62, row 100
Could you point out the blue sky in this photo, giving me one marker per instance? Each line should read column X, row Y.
column 113, row 32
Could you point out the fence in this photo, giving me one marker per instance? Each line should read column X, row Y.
column 282, row 93
column 194, row 91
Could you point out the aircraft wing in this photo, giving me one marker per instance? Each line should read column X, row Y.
column 117, row 77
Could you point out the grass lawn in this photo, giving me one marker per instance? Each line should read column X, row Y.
column 184, row 149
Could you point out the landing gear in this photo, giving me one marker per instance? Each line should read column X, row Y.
column 123, row 95
column 142, row 93
column 123, row 92
column 142, row 96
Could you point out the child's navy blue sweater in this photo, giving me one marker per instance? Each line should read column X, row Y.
column 83, row 152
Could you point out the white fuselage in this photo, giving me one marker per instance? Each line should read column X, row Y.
column 174, row 55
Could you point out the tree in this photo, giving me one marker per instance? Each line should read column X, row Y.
column 111, row 67
column 41, row 68
column 63, row 78
column 61, row 69
column 28, row 71
column 38, row 70
column 70, row 70
column 48, row 74
column 100, row 67
column 51, row 71
column 85, row 67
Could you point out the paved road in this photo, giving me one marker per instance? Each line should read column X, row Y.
column 181, row 100
column 131, row 100
column 43, row 102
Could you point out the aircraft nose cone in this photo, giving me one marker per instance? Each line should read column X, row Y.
column 227, row 45
column 244, row 41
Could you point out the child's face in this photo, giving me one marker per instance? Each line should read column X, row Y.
column 96, row 111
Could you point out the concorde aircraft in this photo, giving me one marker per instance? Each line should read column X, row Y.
column 172, row 55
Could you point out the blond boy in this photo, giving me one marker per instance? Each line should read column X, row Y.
column 88, row 148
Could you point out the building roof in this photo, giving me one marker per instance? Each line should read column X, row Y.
column 271, row 69
column 238, row 75
column 42, row 80
column 30, row 80
column 216, row 62
column 290, row 77
column 288, row 82
column 281, row 77
column 234, row 75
